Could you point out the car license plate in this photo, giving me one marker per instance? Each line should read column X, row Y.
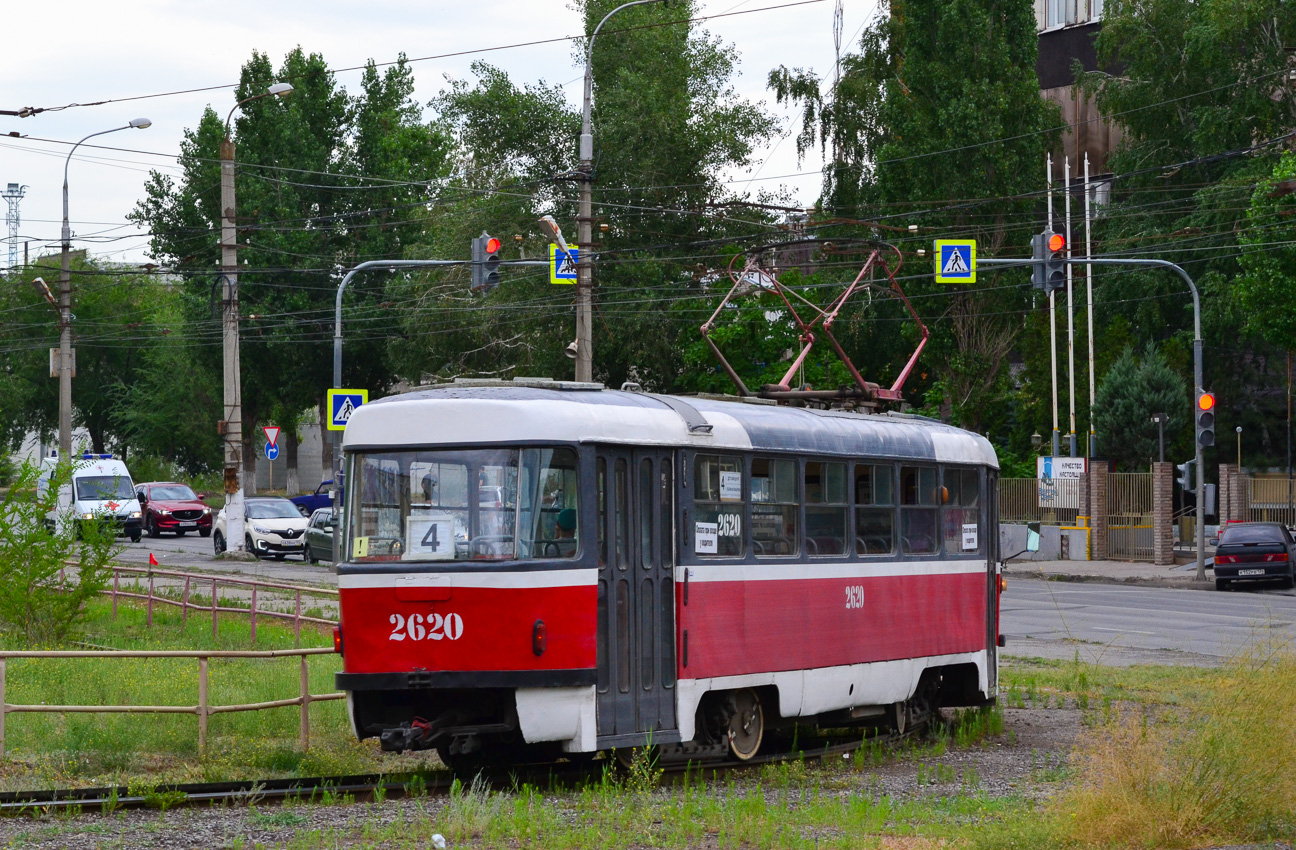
column 1251, row 572
column 189, row 524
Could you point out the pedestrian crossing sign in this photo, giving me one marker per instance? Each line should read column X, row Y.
column 343, row 403
column 955, row 260
column 562, row 264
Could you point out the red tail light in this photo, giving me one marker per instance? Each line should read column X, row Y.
column 1279, row 557
column 337, row 639
column 1226, row 559
column 539, row 638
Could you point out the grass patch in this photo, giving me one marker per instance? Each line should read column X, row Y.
column 56, row 750
column 1216, row 771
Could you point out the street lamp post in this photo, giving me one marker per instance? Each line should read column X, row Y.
column 65, row 301
column 1160, row 419
column 1238, row 429
column 233, row 425
column 585, row 220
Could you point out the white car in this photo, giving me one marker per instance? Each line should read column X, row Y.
column 272, row 525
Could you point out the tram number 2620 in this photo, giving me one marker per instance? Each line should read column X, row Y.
column 435, row 627
column 854, row 597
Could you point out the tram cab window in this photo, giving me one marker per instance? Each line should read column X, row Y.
column 826, row 508
column 961, row 514
column 920, row 500
column 775, row 509
column 874, row 509
column 474, row 505
column 719, row 506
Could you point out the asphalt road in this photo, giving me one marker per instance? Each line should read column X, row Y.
column 1117, row 625
column 195, row 552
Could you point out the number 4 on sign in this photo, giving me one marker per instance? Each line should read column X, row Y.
column 430, row 539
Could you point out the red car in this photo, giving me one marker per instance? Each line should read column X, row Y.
column 168, row 506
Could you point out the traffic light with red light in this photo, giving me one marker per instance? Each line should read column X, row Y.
column 1205, row 418
column 485, row 262
column 1048, row 272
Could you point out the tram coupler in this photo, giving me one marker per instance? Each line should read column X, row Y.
column 418, row 734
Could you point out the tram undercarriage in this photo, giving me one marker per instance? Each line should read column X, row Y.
column 473, row 728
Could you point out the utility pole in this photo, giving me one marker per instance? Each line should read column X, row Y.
column 65, row 301
column 233, row 423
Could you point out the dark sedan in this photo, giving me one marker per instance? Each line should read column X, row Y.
column 319, row 536
column 1255, row 551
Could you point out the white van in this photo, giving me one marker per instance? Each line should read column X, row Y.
column 101, row 485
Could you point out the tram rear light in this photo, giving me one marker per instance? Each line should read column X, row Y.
column 539, row 638
column 1003, row 583
column 337, row 639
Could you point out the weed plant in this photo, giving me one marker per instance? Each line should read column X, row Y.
column 1219, row 770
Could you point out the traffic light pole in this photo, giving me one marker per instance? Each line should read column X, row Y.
column 391, row 265
column 1197, row 369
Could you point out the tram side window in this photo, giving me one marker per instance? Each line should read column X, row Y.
column 719, row 506
column 920, row 499
column 962, row 511
column 874, row 509
column 826, row 508
column 775, row 509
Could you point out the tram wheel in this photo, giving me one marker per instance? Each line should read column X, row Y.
column 747, row 725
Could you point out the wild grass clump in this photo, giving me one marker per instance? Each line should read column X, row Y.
column 1215, row 772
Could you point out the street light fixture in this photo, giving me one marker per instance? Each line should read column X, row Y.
column 233, row 423
column 585, row 232
column 1239, row 444
column 65, row 300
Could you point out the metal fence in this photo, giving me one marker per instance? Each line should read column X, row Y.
column 1030, row 500
column 203, row 709
column 1129, row 516
column 1271, row 500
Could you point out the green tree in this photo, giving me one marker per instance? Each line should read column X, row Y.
column 940, row 105
column 116, row 326
column 1198, row 113
column 325, row 180
column 1132, row 391
column 667, row 126
column 42, row 600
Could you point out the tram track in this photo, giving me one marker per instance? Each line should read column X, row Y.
column 108, row 799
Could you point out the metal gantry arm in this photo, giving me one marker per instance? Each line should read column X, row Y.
column 1197, row 367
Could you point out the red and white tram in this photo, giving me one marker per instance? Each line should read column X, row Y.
column 543, row 563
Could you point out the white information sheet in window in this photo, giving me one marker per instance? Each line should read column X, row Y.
column 430, row 537
column 731, row 486
column 969, row 537
column 705, row 538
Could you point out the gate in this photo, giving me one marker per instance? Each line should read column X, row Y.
column 1269, row 500
column 1129, row 516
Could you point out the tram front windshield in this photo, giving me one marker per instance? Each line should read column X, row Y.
column 463, row 505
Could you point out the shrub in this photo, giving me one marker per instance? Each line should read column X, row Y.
column 41, row 595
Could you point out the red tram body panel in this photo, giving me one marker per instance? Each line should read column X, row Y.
column 537, row 563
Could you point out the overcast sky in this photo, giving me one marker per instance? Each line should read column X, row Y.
column 78, row 51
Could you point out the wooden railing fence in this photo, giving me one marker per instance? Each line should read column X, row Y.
column 204, row 580
column 203, row 709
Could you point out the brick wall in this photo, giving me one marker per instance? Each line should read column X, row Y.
column 1162, row 513
column 1098, row 509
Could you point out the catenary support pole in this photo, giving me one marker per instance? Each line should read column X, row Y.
column 1071, row 433
column 1089, row 309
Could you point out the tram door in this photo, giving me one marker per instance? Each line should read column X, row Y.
column 636, row 595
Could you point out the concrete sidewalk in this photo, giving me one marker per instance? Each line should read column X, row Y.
column 1112, row 572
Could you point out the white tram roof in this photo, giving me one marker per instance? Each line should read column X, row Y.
column 551, row 411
